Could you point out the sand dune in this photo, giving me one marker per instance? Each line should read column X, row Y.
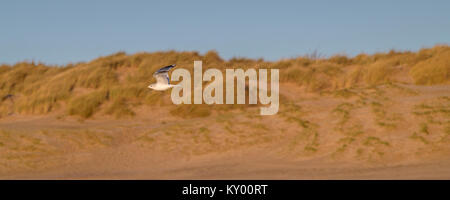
column 390, row 131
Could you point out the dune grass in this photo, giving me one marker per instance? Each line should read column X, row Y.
column 435, row 70
column 120, row 108
column 86, row 105
column 121, row 79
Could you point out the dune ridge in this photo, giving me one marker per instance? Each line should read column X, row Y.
column 385, row 115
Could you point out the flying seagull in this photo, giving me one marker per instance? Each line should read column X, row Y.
column 162, row 79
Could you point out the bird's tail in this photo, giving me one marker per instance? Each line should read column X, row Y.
column 176, row 86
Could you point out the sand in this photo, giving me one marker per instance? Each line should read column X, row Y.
column 392, row 131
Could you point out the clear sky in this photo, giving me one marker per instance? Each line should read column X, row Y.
column 62, row 31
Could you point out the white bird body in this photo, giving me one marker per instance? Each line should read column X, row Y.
column 160, row 87
column 162, row 79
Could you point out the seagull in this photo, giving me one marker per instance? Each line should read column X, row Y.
column 162, row 79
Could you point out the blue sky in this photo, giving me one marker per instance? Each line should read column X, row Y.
column 60, row 32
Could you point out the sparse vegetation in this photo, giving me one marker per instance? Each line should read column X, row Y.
column 375, row 141
column 187, row 111
column 420, row 138
column 343, row 113
column 383, row 118
column 435, row 117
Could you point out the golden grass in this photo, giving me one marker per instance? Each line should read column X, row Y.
column 120, row 108
column 435, row 70
column 378, row 72
column 86, row 105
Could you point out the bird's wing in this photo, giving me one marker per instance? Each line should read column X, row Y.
column 165, row 69
column 162, row 76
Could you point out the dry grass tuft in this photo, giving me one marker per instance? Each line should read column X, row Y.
column 435, row 70
column 189, row 111
column 86, row 105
